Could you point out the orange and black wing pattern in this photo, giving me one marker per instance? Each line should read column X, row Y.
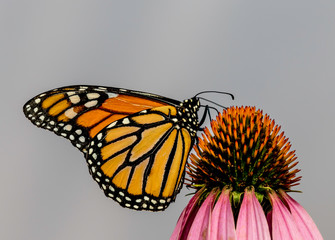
column 139, row 160
column 80, row 112
column 136, row 144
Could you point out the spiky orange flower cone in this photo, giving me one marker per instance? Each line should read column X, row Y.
column 242, row 171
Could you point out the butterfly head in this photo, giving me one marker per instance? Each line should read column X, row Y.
column 188, row 112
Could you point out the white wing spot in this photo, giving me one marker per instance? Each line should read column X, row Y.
column 93, row 95
column 68, row 127
column 91, row 103
column 82, row 139
column 71, row 93
column 74, row 99
column 112, row 124
column 82, row 88
column 37, row 100
column 99, row 136
column 125, row 121
column 70, row 113
column 112, row 95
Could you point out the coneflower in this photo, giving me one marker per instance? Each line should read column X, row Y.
column 242, row 171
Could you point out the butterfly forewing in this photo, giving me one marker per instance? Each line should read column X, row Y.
column 139, row 160
column 78, row 113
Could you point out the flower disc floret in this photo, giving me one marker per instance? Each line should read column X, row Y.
column 243, row 148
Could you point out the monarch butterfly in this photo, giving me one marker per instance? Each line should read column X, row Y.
column 136, row 144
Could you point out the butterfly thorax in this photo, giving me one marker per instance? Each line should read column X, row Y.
column 188, row 115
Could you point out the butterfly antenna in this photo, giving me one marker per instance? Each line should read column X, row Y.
column 212, row 102
column 219, row 92
column 210, row 107
column 204, row 116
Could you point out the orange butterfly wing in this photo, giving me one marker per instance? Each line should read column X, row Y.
column 78, row 113
column 136, row 144
column 139, row 161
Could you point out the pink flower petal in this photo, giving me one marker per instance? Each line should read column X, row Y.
column 251, row 221
column 304, row 222
column 185, row 220
column 222, row 225
column 283, row 224
column 200, row 227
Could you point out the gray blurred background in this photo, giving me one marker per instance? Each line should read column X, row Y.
column 276, row 55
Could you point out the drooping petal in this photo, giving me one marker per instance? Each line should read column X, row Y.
column 251, row 221
column 222, row 225
column 200, row 227
column 305, row 223
column 186, row 219
column 283, row 224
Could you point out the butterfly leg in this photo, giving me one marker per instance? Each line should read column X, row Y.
column 202, row 120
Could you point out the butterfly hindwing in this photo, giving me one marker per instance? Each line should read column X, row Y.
column 139, row 160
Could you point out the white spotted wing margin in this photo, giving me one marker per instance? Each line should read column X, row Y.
column 139, row 160
column 55, row 110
